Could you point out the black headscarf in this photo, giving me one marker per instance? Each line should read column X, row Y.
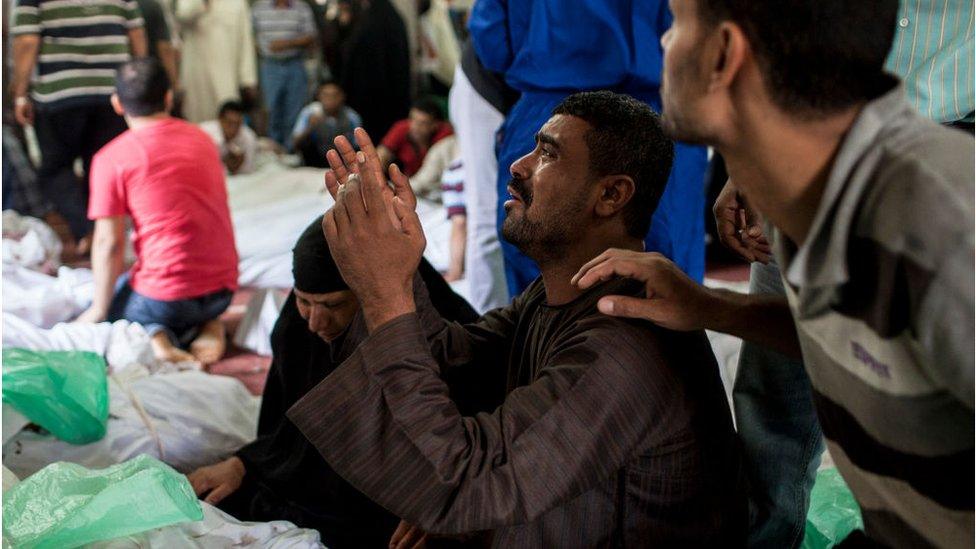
column 312, row 265
column 286, row 478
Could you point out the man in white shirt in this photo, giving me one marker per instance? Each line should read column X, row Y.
column 238, row 144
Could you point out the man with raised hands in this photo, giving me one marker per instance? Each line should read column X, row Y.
column 611, row 432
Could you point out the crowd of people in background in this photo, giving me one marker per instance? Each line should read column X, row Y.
column 844, row 177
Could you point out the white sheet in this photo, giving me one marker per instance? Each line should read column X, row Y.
column 45, row 300
column 198, row 419
column 271, row 207
column 218, row 530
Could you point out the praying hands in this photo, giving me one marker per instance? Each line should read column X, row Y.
column 373, row 231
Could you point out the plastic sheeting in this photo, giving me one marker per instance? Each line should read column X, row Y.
column 218, row 530
column 186, row 419
column 66, row 505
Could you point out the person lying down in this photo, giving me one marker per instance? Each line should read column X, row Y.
column 281, row 476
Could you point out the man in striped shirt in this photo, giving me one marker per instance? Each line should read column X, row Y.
column 75, row 47
column 873, row 211
column 284, row 30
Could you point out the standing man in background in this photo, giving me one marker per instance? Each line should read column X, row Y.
column 68, row 102
column 284, row 30
column 218, row 63
column 159, row 40
column 547, row 52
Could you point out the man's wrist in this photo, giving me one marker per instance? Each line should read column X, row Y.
column 382, row 309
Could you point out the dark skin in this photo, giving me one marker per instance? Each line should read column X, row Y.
column 377, row 241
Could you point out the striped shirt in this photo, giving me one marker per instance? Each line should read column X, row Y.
column 612, row 432
column 82, row 44
column 452, row 189
column 933, row 53
column 882, row 294
column 281, row 23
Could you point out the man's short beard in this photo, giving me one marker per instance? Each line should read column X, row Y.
column 545, row 240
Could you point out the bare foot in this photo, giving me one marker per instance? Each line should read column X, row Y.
column 164, row 349
column 210, row 345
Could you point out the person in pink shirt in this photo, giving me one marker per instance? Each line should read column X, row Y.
column 166, row 175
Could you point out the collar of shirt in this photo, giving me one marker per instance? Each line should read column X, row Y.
column 822, row 259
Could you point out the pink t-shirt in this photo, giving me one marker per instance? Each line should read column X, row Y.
column 169, row 179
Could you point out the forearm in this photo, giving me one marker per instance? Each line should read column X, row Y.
column 459, row 237
column 137, row 42
column 762, row 319
column 107, row 262
column 167, row 56
column 26, row 48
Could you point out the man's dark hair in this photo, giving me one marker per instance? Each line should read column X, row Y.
column 231, row 106
column 817, row 56
column 141, row 85
column 625, row 138
column 430, row 106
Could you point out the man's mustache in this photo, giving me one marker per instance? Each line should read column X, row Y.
column 518, row 185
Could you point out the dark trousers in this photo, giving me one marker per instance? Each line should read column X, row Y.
column 63, row 136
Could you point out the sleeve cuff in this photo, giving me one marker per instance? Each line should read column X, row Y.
column 398, row 340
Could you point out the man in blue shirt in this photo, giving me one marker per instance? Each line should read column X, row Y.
column 547, row 52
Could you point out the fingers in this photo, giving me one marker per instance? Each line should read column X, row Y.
column 401, row 186
column 627, row 307
column 372, row 158
column 329, row 226
column 348, row 154
column 399, row 533
column 408, row 217
column 589, row 265
column 331, row 183
column 338, row 167
column 219, row 493
column 200, row 481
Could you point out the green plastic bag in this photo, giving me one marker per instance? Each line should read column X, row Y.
column 66, row 505
column 833, row 513
column 65, row 392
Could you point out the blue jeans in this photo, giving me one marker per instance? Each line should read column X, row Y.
column 285, row 88
column 781, row 438
column 180, row 319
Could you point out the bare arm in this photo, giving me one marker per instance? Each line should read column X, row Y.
column 108, row 251
column 459, row 236
column 26, row 47
column 167, row 56
column 137, row 42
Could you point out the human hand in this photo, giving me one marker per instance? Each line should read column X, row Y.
column 92, row 315
column 24, row 111
column 221, row 479
column 408, row 536
column 673, row 300
column 739, row 227
column 376, row 240
column 344, row 161
column 278, row 45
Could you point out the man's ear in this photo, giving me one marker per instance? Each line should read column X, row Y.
column 727, row 50
column 168, row 101
column 616, row 191
column 117, row 105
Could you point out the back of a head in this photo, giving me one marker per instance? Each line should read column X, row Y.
column 141, row 85
column 817, row 56
column 626, row 138
column 231, row 106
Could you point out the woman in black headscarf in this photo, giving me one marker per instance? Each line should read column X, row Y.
column 369, row 54
column 280, row 476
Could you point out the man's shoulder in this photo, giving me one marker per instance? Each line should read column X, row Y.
column 919, row 202
column 118, row 149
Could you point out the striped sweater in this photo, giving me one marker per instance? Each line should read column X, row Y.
column 82, row 44
column 882, row 294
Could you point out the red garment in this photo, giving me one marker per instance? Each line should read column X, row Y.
column 409, row 156
column 169, row 179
